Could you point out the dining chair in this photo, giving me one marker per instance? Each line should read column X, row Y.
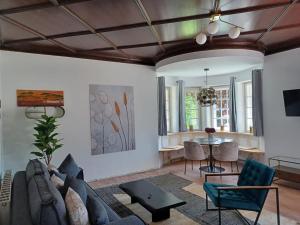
column 250, row 192
column 227, row 152
column 193, row 152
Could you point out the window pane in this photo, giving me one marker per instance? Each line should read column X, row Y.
column 249, row 101
column 192, row 108
column 249, row 112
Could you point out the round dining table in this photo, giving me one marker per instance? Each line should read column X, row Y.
column 211, row 141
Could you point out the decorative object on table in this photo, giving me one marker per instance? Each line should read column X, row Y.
column 251, row 129
column 210, row 131
column 222, row 128
column 207, row 96
column 46, row 139
column 191, row 127
column 213, row 28
column 193, row 152
column 41, row 102
column 112, row 118
column 249, row 194
column 228, row 152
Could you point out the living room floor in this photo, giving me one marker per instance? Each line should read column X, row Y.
column 289, row 193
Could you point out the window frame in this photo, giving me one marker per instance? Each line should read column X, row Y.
column 196, row 91
column 247, row 127
column 212, row 110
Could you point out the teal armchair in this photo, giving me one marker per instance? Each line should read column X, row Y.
column 250, row 192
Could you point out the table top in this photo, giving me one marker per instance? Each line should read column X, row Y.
column 150, row 196
column 211, row 141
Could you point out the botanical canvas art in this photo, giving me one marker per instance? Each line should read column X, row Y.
column 112, row 118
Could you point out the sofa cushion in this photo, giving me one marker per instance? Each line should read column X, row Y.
column 19, row 200
column 45, row 202
column 77, row 185
column 58, row 183
column 77, row 211
column 112, row 215
column 97, row 212
column 69, row 167
column 36, row 167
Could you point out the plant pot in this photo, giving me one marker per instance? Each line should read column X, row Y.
column 191, row 127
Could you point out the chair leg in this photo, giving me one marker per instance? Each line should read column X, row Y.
column 192, row 165
column 185, row 167
column 277, row 205
column 206, row 202
column 220, row 220
column 257, row 217
column 237, row 166
column 200, row 169
column 231, row 167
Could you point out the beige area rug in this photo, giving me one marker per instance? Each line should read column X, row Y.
column 176, row 218
column 266, row 217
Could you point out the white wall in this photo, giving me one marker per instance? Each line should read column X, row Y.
column 73, row 76
column 282, row 133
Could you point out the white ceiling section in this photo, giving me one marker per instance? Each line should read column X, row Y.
column 221, row 61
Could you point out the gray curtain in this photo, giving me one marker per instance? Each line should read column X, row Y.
column 257, row 106
column 232, row 106
column 181, row 106
column 162, row 119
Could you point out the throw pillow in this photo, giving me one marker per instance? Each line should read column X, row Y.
column 78, row 214
column 97, row 212
column 77, row 185
column 58, row 183
column 69, row 166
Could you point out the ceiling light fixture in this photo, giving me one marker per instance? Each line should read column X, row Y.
column 207, row 96
column 213, row 28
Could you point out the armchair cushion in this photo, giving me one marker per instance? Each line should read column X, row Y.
column 229, row 199
column 256, row 174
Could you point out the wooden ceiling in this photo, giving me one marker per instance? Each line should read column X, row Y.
column 144, row 31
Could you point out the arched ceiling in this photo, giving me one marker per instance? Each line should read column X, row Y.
column 144, row 31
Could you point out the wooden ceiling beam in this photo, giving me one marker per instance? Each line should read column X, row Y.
column 34, row 32
column 88, row 26
column 43, row 5
column 157, row 22
column 277, row 18
column 283, row 46
column 146, row 16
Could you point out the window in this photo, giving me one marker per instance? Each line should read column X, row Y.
column 248, row 106
column 192, row 109
column 220, row 111
column 168, row 110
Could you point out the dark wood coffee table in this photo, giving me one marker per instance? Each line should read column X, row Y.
column 152, row 198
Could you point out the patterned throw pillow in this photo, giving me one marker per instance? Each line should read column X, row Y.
column 58, row 183
column 78, row 214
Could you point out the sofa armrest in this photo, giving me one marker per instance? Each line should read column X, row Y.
column 129, row 220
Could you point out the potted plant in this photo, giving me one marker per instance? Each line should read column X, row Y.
column 46, row 138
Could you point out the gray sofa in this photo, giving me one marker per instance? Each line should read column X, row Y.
column 36, row 201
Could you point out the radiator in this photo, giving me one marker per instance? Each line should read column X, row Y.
column 5, row 197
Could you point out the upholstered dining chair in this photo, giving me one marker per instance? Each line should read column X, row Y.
column 227, row 152
column 250, row 193
column 193, row 152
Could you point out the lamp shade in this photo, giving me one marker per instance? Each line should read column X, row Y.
column 201, row 38
column 213, row 27
column 234, row 32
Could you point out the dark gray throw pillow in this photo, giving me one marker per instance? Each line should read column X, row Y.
column 97, row 212
column 69, row 167
column 36, row 167
column 77, row 185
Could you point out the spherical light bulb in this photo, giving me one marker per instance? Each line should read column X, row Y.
column 201, row 38
column 234, row 32
column 213, row 27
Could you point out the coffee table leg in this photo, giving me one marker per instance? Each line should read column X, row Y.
column 160, row 215
column 133, row 200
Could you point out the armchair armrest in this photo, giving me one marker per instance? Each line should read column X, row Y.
column 247, row 188
column 220, row 174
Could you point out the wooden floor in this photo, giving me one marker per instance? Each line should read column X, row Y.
column 289, row 193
